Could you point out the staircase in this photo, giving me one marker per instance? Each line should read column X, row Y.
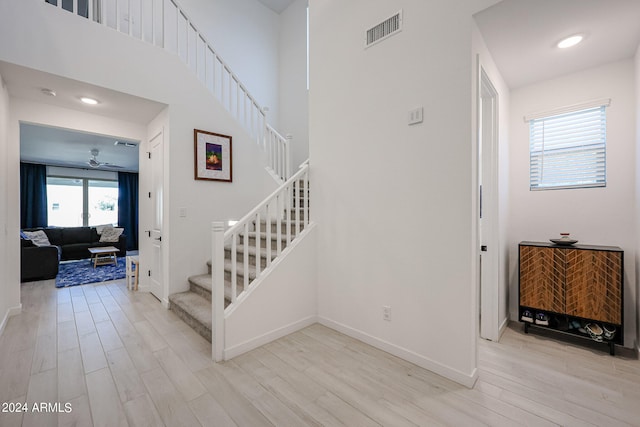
column 164, row 24
column 274, row 236
column 252, row 248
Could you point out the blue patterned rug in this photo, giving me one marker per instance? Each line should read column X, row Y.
column 73, row 273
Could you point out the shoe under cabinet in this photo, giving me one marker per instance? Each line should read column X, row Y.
column 573, row 289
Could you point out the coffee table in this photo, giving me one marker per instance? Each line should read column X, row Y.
column 104, row 255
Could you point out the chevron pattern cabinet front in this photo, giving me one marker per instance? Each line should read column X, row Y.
column 542, row 272
column 567, row 288
column 592, row 285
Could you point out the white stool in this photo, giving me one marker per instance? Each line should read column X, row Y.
column 132, row 272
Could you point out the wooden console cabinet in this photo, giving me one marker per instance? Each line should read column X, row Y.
column 571, row 285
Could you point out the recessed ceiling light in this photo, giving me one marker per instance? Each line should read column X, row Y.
column 89, row 101
column 570, row 41
column 48, row 92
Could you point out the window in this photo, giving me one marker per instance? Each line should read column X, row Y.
column 76, row 202
column 568, row 149
column 82, row 6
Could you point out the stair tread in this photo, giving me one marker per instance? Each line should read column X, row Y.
column 283, row 224
column 197, row 307
column 274, row 236
column 204, row 281
column 252, row 251
column 239, row 267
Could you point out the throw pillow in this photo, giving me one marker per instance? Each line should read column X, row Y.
column 38, row 237
column 111, row 235
column 101, row 228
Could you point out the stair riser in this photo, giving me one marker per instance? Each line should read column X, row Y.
column 283, row 227
column 241, row 262
column 227, row 278
column 201, row 329
column 295, row 213
column 204, row 293
column 252, row 258
column 239, row 277
column 263, row 243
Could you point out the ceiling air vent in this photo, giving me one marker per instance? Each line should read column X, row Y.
column 385, row 29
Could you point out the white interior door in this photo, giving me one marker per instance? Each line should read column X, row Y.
column 156, row 279
column 488, row 221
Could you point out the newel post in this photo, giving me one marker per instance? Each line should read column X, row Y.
column 217, row 290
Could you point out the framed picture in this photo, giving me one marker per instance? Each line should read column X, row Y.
column 212, row 156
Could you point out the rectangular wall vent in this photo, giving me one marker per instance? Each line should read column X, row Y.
column 385, row 29
column 126, row 144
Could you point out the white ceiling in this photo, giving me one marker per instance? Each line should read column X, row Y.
column 522, row 35
column 66, row 147
column 276, row 5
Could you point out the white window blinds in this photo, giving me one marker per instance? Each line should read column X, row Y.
column 568, row 150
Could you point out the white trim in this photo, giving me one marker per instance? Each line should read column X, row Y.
column 467, row 380
column 569, row 108
column 145, row 288
column 274, row 175
column 488, row 228
column 253, row 343
column 503, row 327
column 12, row 311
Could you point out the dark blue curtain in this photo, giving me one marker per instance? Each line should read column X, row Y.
column 128, row 207
column 33, row 195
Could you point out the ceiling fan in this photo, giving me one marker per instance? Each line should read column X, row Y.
column 95, row 163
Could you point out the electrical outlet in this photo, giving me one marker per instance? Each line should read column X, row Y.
column 416, row 116
column 386, row 313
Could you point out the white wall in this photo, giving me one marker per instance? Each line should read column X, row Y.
column 9, row 293
column 150, row 73
column 395, row 204
column 294, row 96
column 245, row 34
column 502, row 191
column 284, row 301
column 599, row 216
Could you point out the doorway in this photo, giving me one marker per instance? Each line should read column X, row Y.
column 488, row 210
column 156, row 271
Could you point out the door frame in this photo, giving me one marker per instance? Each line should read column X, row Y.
column 147, row 235
column 488, row 207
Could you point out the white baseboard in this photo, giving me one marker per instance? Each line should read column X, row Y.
column 12, row 311
column 503, row 327
column 144, row 288
column 467, row 380
column 263, row 339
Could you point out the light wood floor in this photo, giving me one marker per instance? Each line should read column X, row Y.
column 119, row 358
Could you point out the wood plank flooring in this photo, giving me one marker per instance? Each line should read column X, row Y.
column 118, row 358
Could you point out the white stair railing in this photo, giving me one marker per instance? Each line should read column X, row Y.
column 165, row 24
column 269, row 229
column 278, row 152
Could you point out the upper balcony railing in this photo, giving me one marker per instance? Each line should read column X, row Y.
column 164, row 24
